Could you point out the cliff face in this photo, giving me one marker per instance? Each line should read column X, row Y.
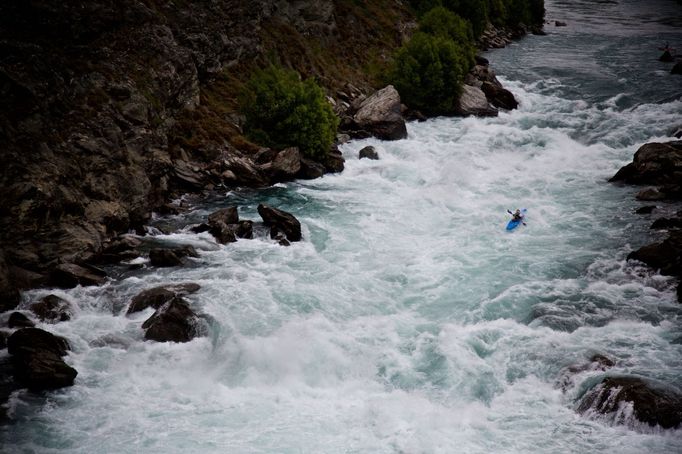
column 110, row 106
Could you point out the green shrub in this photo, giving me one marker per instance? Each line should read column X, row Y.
column 428, row 73
column 444, row 23
column 283, row 111
column 472, row 10
column 513, row 12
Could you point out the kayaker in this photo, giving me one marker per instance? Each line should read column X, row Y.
column 517, row 216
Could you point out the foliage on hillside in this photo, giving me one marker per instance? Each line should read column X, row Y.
column 283, row 111
column 503, row 13
column 428, row 71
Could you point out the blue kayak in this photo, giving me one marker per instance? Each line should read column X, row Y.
column 511, row 225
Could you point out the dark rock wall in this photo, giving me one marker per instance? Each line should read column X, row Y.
column 95, row 92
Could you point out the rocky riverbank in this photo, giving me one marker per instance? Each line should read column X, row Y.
column 114, row 108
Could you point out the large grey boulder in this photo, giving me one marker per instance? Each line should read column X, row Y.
column 380, row 115
column 473, row 101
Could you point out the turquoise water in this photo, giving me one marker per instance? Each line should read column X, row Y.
column 409, row 320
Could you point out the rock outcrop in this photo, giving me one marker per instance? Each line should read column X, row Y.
column 112, row 107
column 660, row 165
column 655, row 164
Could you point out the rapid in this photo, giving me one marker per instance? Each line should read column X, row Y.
column 408, row 320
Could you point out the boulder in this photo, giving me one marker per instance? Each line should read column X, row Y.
column 244, row 229
column 158, row 296
column 677, row 69
column 228, row 215
column 558, row 23
column 380, row 115
column 472, row 101
column 651, row 195
column 499, row 97
column 666, row 57
column 311, row 169
column 19, row 320
column 333, row 162
column 653, row 405
column 244, row 172
column 69, row 275
column 648, row 209
column 36, row 356
column 119, row 249
column 665, row 256
column 667, row 223
column 188, row 177
column 163, row 257
column 480, row 74
column 281, row 221
column 52, row 309
column 368, row 152
column 226, row 227
column 285, row 165
column 172, row 322
column 654, row 163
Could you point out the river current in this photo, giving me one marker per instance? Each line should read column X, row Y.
column 408, row 320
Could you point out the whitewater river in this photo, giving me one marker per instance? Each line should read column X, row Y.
column 408, row 320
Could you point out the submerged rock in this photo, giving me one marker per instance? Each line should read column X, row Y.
column 158, row 296
column 368, row 152
column 52, row 309
column 622, row 396
column 280, row 221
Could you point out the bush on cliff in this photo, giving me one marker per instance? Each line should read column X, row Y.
column 283, row 111
column 475, row 11
column 444, row 23
column 511, row 13
column 428, row 72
